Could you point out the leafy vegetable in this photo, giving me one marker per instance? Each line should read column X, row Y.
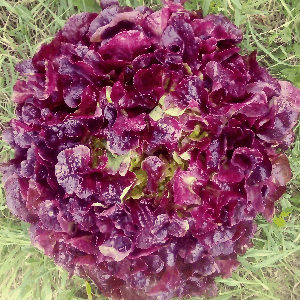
column 145, row 145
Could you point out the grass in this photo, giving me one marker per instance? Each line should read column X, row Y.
column 271, row 269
